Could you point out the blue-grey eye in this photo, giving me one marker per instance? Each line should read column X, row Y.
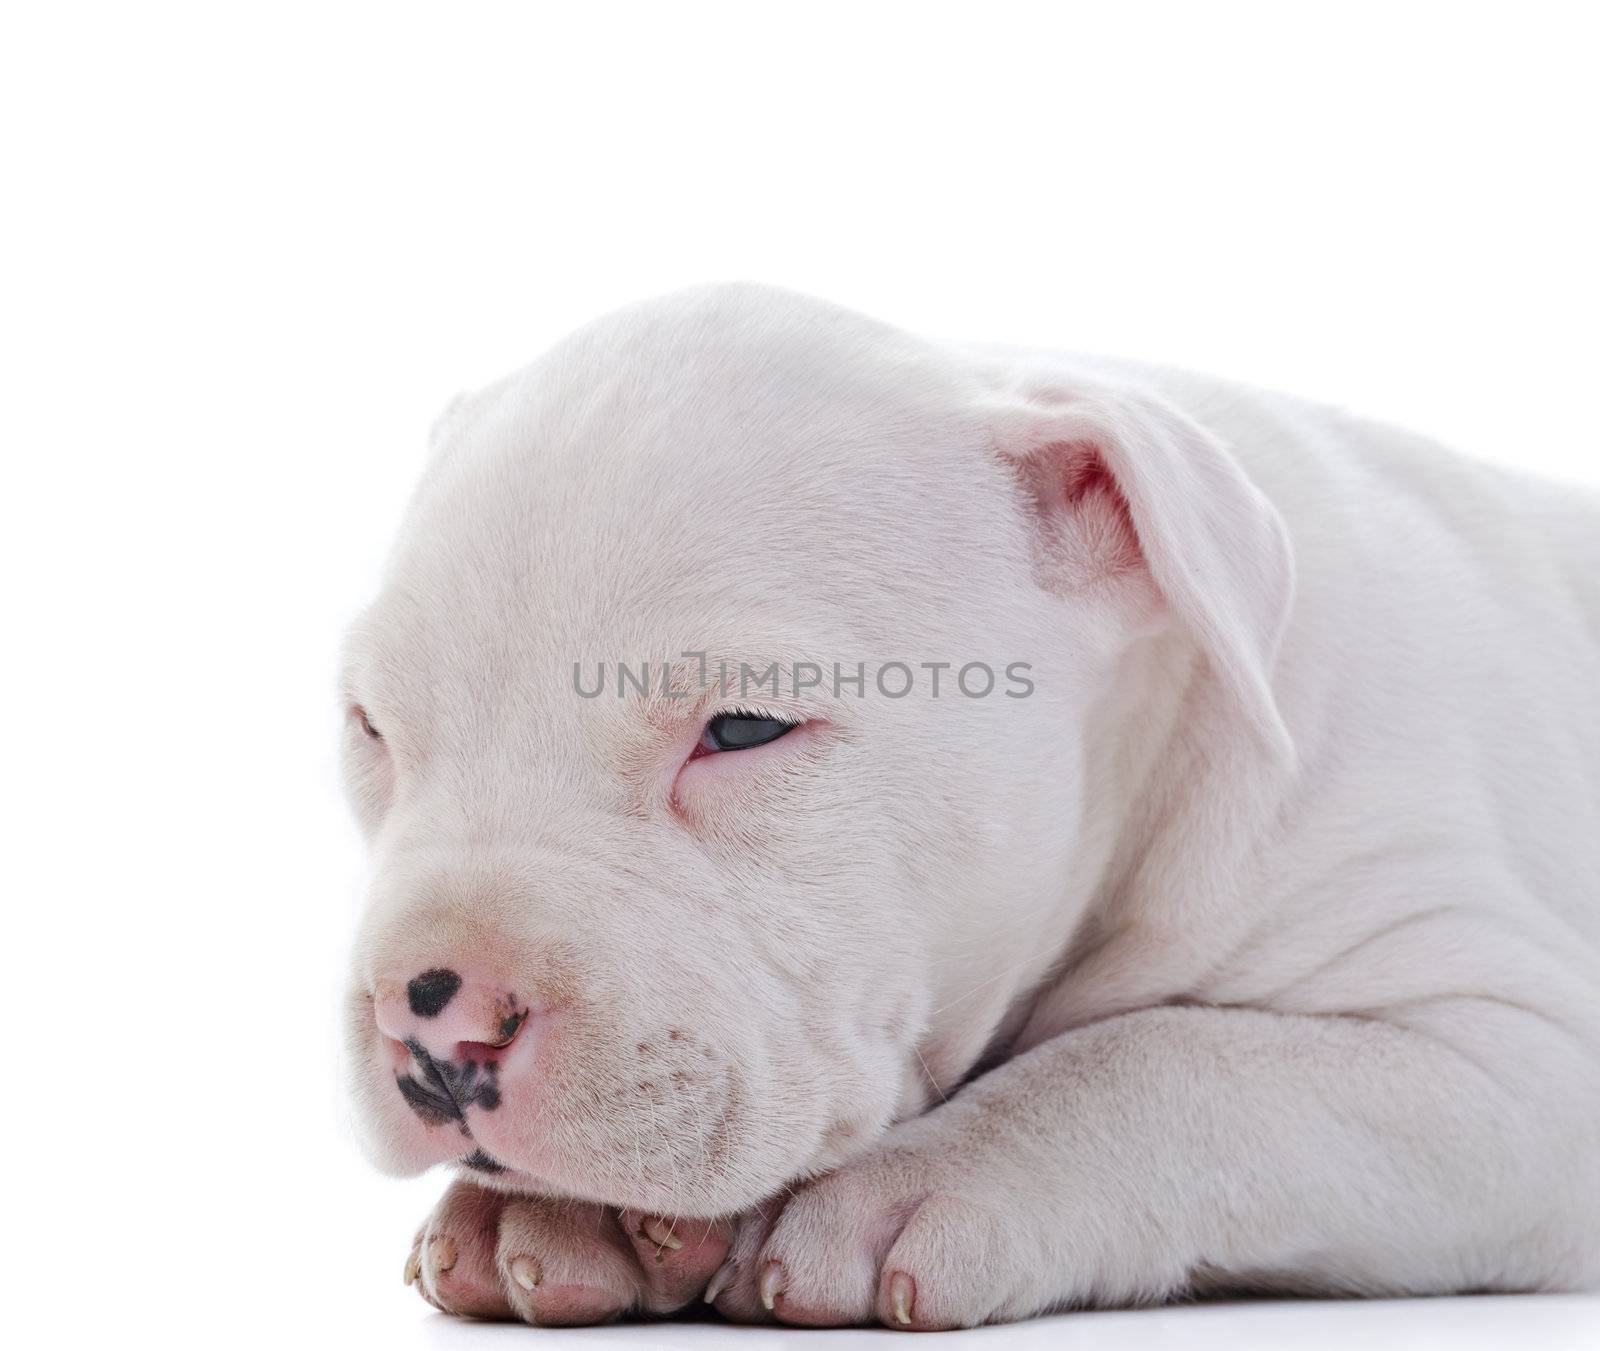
column 738, row 732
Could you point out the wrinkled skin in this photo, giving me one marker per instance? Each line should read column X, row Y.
column 935, row 1011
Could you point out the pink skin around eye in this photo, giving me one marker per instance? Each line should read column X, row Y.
column 707, row 765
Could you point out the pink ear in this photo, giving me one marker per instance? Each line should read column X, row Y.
column 1083, row 514
column 1122, row 480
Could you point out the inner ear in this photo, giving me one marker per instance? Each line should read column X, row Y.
column 1084, row 530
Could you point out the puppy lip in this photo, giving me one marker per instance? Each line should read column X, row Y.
column 442, row 1090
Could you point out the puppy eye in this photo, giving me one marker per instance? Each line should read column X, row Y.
column 364, row 722
column 739, row 732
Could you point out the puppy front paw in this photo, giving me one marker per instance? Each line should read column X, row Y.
column 876, row 1242
column 484, row 1254
column 453, row 1256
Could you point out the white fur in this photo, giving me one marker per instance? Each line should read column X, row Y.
column 1271, row 917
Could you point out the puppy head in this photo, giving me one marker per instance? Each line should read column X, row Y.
column 676, row 895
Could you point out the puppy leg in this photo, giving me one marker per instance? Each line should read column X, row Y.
column 1186, row 1148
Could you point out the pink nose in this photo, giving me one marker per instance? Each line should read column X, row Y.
column 450, row 1017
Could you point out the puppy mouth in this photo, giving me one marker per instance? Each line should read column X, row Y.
column 518, row 1128
column 440, row 1091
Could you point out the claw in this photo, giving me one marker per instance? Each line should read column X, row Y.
column 660, row 1233
column 413, row 1268
column 526, row 1273
column 719, row 1282
column 771, row 1285
column 901, row 1293
column 441, row 1254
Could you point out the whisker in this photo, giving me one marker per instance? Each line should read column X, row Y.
column 916, row 1051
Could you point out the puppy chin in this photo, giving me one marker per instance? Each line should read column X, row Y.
column 578, row 1176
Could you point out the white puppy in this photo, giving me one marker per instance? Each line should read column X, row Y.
column 1242, row 934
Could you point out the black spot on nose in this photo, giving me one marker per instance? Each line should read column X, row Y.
column 431, row 991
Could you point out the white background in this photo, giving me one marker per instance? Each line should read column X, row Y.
column 251, row 251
